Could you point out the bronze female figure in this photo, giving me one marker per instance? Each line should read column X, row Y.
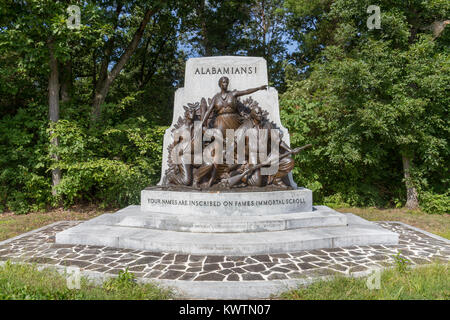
column 224, row 104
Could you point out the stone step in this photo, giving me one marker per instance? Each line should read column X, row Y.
column 227, row 243
column 132, row 216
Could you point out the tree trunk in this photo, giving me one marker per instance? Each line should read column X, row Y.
column 66, row 81
column 104, row 83
column 145, row 77
column 411, row 193
column 264, row 29
column 204, row 29
column 53, row 108
column 99, row 98
column 94, row 74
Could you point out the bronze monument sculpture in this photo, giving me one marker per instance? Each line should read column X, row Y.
column 225, row 112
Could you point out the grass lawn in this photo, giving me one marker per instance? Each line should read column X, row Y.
column 434, row 223
column 12, row 225
column 26, row 282
column 426, row 282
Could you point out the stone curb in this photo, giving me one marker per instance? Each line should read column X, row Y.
column 432, row 235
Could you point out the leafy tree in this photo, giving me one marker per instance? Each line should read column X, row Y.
column 385, row 90
column 310, row 25
column 214, row 27
column 122, row 17
column 37, row 31
column 254, row 28
column 152, row 73
column 46, row 63
column 373, row 102
column 266, row 37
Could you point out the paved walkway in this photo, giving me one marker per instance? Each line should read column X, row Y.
column 38, row 246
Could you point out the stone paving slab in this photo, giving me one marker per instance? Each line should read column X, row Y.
column 203, row 276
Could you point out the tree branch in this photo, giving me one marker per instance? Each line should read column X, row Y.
column 131, row 47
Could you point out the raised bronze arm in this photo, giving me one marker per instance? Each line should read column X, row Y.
column 249, row 91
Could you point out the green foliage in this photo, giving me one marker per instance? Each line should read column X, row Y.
column 252, row 28
column 435, row 203
column 370, row 98
column 335, row 201
column 401, row 263
column 109, row 164
column 338, row 168
column 424, row 282
column 364, row 98
column 24, row 184
column 124, row 280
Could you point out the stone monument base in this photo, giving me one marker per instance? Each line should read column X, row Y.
column 178, row 222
